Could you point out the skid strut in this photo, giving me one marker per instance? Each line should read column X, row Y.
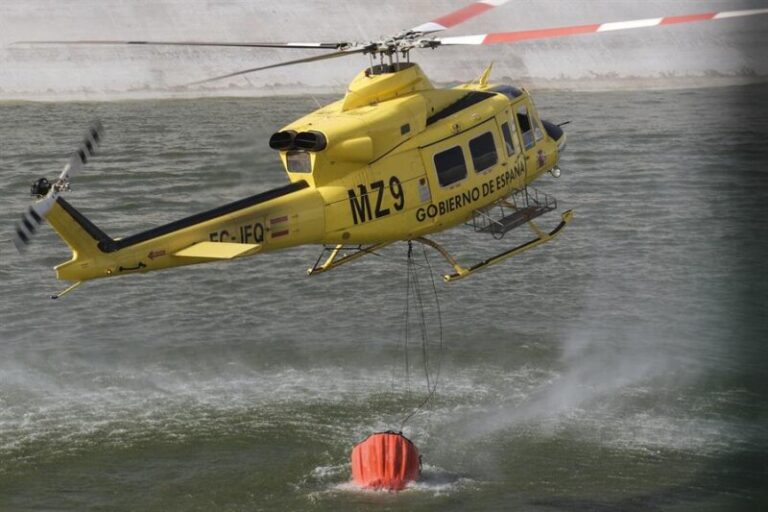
column 460, row 271
column 333, row 260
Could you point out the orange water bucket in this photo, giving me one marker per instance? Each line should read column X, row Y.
column 385, row 460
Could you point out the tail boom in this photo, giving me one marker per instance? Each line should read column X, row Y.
column 279, row 218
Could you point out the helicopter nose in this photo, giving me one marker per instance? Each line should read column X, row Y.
column 555, row 132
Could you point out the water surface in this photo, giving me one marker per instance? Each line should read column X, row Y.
column 618, row 368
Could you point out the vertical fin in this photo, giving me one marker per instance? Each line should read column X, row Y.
column 79, row 233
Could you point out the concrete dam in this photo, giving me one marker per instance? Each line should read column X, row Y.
column 723, row 52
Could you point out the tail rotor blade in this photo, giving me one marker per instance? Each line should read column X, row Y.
column 84, row 152
column 28, row 225
column 31, row 220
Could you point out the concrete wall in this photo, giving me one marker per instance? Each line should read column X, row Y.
column 704, row 53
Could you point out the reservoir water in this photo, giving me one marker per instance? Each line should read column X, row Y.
column 621, row 367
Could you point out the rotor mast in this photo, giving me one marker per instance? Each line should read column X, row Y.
column 392, row 51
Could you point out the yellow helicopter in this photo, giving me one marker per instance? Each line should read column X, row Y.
column 395, row 160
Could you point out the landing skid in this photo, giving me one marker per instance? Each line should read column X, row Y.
column 334, row 260
column 461, row 271
column 497, row 220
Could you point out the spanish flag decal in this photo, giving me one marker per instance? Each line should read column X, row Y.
column 278, row 226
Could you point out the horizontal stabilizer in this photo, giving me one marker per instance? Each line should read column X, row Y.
column 218, row 250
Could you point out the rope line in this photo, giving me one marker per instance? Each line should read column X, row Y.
column 414, row 288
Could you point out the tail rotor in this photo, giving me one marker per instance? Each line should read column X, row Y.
column 47, row 191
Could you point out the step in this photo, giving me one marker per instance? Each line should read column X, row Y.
column 516, row 218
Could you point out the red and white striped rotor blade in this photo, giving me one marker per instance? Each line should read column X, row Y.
column 460, row 16
column 547, row 33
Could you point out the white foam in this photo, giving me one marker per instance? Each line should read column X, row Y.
column 433, row 481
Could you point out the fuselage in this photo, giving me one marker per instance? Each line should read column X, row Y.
column 395, row 159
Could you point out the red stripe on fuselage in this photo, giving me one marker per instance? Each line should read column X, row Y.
column 462, row 15
column 524, row 35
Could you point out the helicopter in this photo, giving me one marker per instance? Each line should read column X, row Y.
column 396, row 159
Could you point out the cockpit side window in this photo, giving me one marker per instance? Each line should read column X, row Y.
column 509, row 143
column 525, row 127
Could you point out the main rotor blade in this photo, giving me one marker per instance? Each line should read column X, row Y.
column 319, row 46
column 460, row 16
column 527, row 35
column 341, row 53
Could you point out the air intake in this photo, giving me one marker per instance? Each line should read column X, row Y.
column 282, row 141
column 311, row 140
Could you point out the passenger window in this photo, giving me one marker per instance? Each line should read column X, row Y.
column 525, row 127
column 450, row 166
column 508, row 142
column 483, row 152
